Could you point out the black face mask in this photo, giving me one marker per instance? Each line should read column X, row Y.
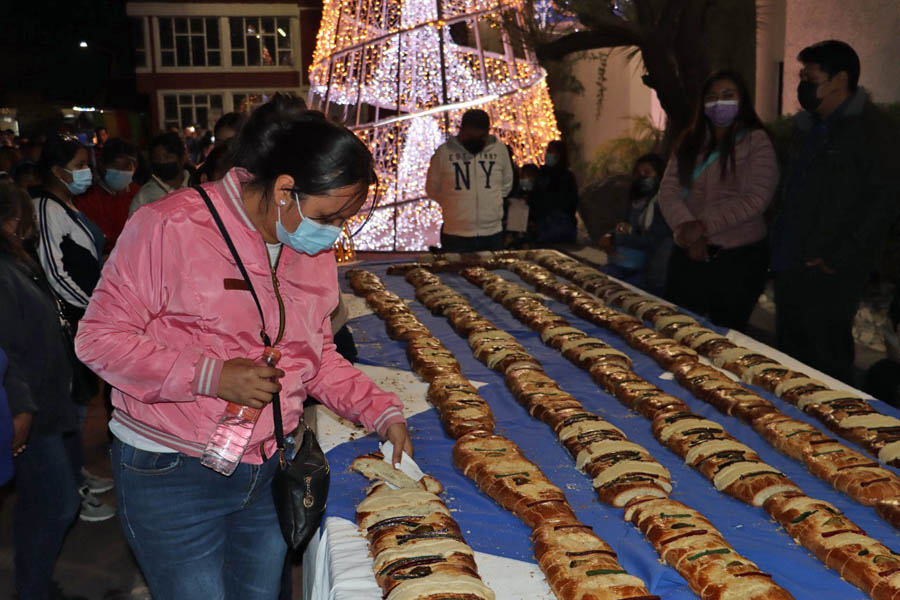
column 165, row 171
column 644, row 186
column 474, row 146
column 806, row 95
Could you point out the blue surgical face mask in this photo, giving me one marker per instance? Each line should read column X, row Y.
column 117, row 180
column 551, row 159
column 81, row 181
column 310, row 237
column 526, row 184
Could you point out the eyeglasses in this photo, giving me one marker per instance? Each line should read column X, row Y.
column 368, row 216
column 365, row 221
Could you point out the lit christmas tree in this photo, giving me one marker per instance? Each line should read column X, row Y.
column 400, row 73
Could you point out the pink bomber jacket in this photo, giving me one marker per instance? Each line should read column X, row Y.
column 167, row 314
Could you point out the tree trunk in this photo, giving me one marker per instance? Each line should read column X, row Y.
column 691, row 39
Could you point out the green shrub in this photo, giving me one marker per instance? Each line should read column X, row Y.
column 617, row 156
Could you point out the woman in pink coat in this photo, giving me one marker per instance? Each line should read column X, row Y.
column 174, row 329
column 714, row 196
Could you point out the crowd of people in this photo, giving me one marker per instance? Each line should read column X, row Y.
column 709, row 227
column 107, row 272
column 170, row 338
column 731, row 213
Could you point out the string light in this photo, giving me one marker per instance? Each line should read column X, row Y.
column 343, row 248
column 378, row 64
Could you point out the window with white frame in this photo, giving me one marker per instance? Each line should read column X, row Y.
column 185, row 110
column 189, row 42
column 260, row 41
column 140, row 41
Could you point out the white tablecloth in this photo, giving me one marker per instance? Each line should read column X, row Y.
column 337, row 565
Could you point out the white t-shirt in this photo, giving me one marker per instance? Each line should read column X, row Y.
column 273, row 249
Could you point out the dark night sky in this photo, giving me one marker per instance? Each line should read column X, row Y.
column 41, row 61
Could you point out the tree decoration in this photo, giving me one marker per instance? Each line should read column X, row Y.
column 400, row 74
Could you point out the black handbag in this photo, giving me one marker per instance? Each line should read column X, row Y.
column 300, row 487
column 85, row 383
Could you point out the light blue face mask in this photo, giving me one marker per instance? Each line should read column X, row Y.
column 310, row 237
column 81, row 181
column 117, row 180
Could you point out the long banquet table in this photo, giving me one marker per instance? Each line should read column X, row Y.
column 337, row 566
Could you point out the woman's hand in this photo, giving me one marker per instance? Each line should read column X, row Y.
column 698, row 251
column 398, row 435
column 247, row 383
column 606, row 242
column 688, row 233
column 21, row 429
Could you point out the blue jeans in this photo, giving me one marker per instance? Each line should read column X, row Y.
column 47, row 504
column 196, row 533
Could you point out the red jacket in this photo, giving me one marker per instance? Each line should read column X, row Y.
column 108, row 210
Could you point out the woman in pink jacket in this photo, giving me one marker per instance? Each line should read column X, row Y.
column 713, row 195
column 174, row 329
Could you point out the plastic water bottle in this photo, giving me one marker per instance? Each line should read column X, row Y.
column 228, row 442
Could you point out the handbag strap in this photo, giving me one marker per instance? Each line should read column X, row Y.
column 698, row 170
column 276, row 398
column 237, row 259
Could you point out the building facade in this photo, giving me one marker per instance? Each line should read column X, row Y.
column 199, row 60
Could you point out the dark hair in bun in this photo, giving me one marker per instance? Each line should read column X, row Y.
column 282, row 138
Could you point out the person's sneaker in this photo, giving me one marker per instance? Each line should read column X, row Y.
column 95, row 483
column 139, row 589
column 92, row 509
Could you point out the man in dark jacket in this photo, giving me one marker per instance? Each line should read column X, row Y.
column 839, row 198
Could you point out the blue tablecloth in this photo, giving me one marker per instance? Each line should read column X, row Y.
column 488, row 528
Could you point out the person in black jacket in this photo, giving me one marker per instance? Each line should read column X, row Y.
column 37, row 382
column 839, row 198
column 554, row 199
column 70, row 251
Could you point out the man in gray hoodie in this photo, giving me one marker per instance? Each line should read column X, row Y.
column 469, row 176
